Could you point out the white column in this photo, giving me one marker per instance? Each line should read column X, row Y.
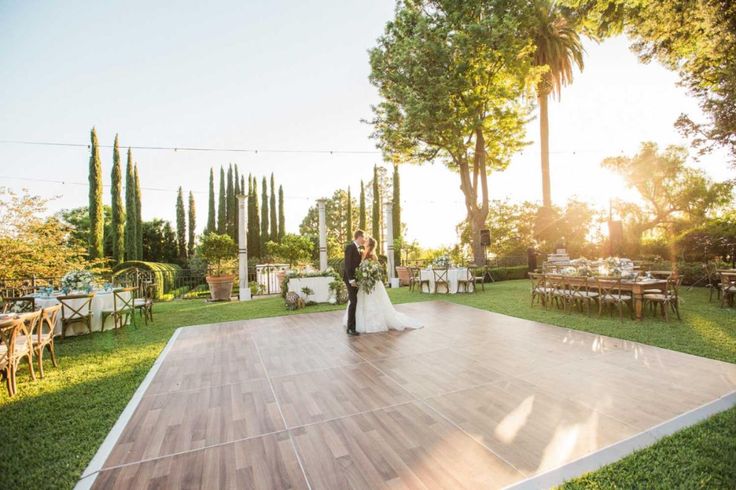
column 322, row 235
column 243, row 247
column 388, row 220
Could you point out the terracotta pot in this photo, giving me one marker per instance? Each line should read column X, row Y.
column 221, row 287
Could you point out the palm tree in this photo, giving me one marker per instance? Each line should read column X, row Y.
column 558, row 48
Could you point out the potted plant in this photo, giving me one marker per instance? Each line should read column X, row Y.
column 217, row 251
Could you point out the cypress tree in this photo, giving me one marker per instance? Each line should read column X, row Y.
column 230, row 202
column 376, row 217
column 396, row 214
column 96, row 217
column 256, row 223
column 264, row 216
column 131, row 226
column 192, row 225
column 139, row 219
column 211, row 224
column 282, row 219
column 222, row 206
column 181, row 226
column 361, row 218
column 236, row 192
column 349, row 221
column 274, row 222
column 118, row 212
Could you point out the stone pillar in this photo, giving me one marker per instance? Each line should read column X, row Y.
column 388, row 220
column 322, row 235
column 243, row 247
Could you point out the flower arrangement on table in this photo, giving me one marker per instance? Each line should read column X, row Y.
column 368, row 273
column 79, row 280
column 442, row 261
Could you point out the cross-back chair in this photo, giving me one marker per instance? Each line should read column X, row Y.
column 75, row 308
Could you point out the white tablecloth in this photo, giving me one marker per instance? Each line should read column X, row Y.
column 320, row 287
column 452, row 276
column 103, row 300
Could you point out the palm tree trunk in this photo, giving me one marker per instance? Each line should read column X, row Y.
column 544, row 140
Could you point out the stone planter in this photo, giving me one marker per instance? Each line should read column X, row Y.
column 221, row 287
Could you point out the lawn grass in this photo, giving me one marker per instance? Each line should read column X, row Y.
column 53, row 427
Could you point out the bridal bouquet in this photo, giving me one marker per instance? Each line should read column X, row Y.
column 77, row 281
column 368, row 274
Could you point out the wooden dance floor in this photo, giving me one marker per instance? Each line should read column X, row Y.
column 473, row 400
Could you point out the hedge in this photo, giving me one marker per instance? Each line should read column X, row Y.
column 165, row 274
column 508, row 273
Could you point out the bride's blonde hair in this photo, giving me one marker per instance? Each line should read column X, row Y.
column 370, row 247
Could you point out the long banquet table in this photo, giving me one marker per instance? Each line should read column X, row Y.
column 102, row 300
column 636, row 288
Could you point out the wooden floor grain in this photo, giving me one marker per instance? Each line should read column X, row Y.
column 473, row 400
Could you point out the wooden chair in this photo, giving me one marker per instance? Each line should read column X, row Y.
column 81, row 313
column 24, row 304
column 123, row 309
column 43, row 337
column 581, row 291
column 480, row 278
column 540, row 291
column 669, row 298
column 465, row 280
column 144, row 305
column 714, row 284
column 557, row 290
column 404, row 275
column 15, row 344
column 610, row 294
column 416, row 280
column 727, row 286
column 440, row 279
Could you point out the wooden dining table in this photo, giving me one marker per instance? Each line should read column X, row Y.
column 637, row 288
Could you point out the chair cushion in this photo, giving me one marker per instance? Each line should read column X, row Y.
column 616, row 297
column 658, row 296
column 139, row 301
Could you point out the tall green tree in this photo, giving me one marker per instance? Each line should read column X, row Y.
column 236, row 192
column 255, row 222
column 362, row 219
column 159, row 242
column 396, row 215
column 131, row 239
column 273, row 211
column 222, row 205
column 118, row 210
column 181, row 226
column 96, row 219
column 230, row 198
column 336, row 220
column 454, row 80
column 264, row 215
column 558, row 49
column 349, row 217
column 376, row 214
column 138, row 215
column 192, row 225
column 694, row 38
column 211, row 223
column 282, row 216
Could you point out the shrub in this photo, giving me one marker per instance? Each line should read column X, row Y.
column 508, row 273
column 165, row 275
column 217, row 251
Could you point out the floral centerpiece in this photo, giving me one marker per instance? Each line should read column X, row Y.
column 79, row 280
column 441, row 261
column 368, row 273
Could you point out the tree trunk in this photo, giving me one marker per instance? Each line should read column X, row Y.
column 477, row 222
column 476, row 214
column 544, row 144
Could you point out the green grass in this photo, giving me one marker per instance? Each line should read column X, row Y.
column 53, row 427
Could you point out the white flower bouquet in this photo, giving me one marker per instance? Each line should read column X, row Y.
column 441, row 262
column 368, row 273
column 79, row 280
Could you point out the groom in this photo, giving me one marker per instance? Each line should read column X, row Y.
column 352, row 260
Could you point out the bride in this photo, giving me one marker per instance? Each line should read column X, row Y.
column 374, row 312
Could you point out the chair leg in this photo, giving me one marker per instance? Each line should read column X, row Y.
column 8, row 381
column 40, row 362
column 29, row 357
column 52, row 350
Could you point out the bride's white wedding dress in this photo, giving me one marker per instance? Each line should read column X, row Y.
column 375, row 313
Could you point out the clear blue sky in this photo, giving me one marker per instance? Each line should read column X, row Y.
column 275, row 74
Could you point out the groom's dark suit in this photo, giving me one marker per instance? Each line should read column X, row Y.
column 352, row 261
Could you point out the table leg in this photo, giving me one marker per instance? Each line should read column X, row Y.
column 638, row 304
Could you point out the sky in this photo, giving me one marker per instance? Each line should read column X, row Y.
column 283, row 75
